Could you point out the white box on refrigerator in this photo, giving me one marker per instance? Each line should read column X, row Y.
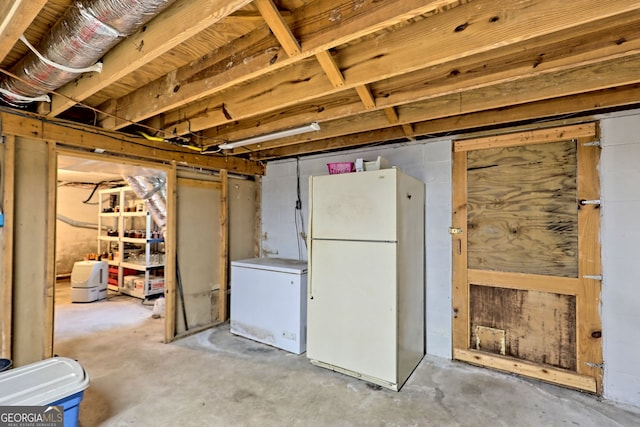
column 269, row 302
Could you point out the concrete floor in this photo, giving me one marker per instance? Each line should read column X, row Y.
column 214, row 378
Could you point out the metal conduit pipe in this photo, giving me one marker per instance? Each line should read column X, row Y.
column 86, row 31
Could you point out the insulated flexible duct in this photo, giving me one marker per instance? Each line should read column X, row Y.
column 153, row 190
column 86, row 31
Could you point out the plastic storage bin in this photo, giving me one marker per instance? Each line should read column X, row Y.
column 341, row 167
column 57, row 381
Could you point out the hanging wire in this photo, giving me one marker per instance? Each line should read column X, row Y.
column 297, row 214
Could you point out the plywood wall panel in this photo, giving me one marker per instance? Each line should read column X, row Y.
column 550, row 339
column 522, row 209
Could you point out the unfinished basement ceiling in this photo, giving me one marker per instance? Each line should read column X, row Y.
column 206, row 72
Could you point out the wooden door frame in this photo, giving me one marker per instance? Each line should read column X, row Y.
column 222, row 184
column 588, row 375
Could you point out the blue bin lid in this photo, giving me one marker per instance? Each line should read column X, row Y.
column 43, row 382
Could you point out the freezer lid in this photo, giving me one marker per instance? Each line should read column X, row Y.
column 283, row 265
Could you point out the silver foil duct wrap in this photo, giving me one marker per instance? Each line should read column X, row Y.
column 87, row 30
column 153, row 190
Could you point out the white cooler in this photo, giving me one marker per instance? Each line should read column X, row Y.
column 58, row 381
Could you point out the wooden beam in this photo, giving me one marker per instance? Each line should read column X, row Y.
column 611, row 73
column 407, row 128
column 15, row 17
column 224, row 247
column 366, row 97
column 280, row 29
column 262, row 48
column 330, row 68
column 539, row 136
column 516, row 26
column 181, row 21
column 118, row 144
column 627, row 96
column 6, row 240
column 392, row 115
column 481, row 71
column 532, row 370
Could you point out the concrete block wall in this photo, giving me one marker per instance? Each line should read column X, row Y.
column 427, row 161
column 620, row 178
column 431, row 162
column 73, row 243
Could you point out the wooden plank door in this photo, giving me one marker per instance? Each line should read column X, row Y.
column 526, row 281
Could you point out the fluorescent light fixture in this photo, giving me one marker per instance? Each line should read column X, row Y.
column 270, row 136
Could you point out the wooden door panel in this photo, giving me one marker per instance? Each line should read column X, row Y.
column 522, row 298
column 522, row 209
column 550, row 339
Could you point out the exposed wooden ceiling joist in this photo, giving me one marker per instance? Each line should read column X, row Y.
column 16, row 15
column 257, row 54
column 181, row 21
column 367, row 70
column 362, row 63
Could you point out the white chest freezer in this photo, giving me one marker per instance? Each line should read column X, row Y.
column 269, row 302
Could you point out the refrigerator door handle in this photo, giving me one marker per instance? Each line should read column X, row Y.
column 310, row 241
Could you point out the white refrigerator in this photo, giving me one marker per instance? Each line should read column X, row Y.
column 365, row 307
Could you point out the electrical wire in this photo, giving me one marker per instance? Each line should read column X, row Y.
column 300, row 231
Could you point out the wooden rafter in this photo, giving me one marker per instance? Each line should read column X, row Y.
column 280, row 29
column 264, row 58
column 576, row 104
column 365, row 65
column 182, row 20
column 15, row 17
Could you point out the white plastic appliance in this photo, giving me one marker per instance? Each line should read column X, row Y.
column 269, row 302
column 89, row 281
column 365, row 300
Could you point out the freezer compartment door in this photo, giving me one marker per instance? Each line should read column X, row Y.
column 354, row 206
column 351, row 321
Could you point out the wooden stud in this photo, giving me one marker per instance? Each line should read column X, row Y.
column 258, row 217
column 50, row 256
column 589, row 325
column 545, row 373
column 6, row 238
column 170, row 240
column 460, row 303
column 224, row 247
